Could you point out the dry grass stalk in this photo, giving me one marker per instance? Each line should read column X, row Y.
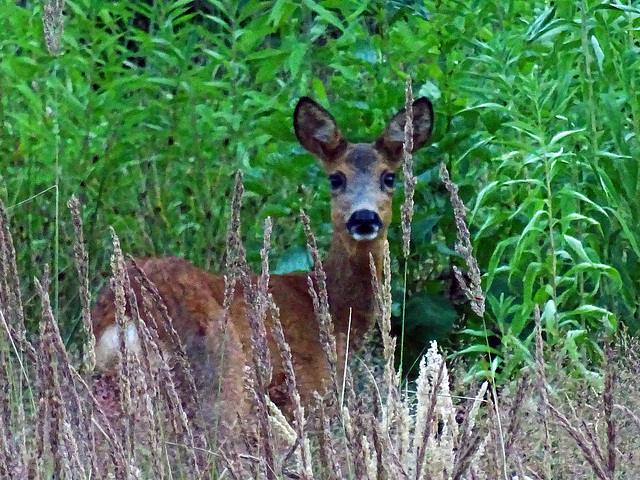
column 14, row 429
column 466, row 455
column 5, row 391
column 82, row 266
column 469, row 440
column 513, row 416
column 387, row 300
column 144, row 421
column 626, row 410
column 234, row 268
column 607, row 400
column 8, row 459
column 541, row 382
column 280, row 425
column 80, row 420
column 472, row 289
column 182, row 404
column 138, row 424
column 475, row 470
column 370, row 465
column 430, row 380
column 293, row 395
column 10, row 297
column 146, row 426
column 383, row 303
column 173, row 341
column 236, row 263
column 115, row 450
column 520, row 475
column 234, row 465
column 259, row 297
column 404, row 426
column 166, row 392
column 410, row 180
column 591, row 435
column 53, row 25
column 256, row 298
column 585, row 444
column 320, row 297
column 15, row 393
column 124, row 360
column 470, row 418
column 152, row 399
column 395, row 416
column 263, row 457
column 354, row 450
column 4, row 269
column 15, row 356
column 379, row 448
column 584, row 436
column 328, row 454
column 60, row 440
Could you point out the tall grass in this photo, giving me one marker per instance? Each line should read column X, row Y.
column 146, row 421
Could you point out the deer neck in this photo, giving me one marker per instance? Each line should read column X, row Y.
column 349, row 287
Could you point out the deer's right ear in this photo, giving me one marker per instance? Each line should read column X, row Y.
column 317, row 130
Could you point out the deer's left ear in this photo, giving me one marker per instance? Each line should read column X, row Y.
column 393, row 135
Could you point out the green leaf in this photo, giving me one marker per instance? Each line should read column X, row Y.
column 566, row 133
column 591, row 311
column 324, row 14
column 607, row 270
column 631, row 236
column 318, row 88
column 476, row 349
column 523, row 242
column 531, row 275
column 296, row 58
column 577, row 247
column 582, row 197
column 293, row 259
column 474, row 333
column 578, row 216
column 496, row 257
column 277, row 12
column 597, row 51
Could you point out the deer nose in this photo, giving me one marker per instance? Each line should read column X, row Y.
column 364, row 225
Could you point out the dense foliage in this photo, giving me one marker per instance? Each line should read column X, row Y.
column 150, row 108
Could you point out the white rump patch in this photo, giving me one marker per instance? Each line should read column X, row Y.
column 108, row 347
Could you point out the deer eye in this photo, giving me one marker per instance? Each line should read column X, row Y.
column 388, row 180
column 338, row 181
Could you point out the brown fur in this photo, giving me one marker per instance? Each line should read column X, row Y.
column 194, row 297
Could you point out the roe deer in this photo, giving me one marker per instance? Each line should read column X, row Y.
column 361, row 177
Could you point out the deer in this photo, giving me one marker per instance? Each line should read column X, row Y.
column 361, row 178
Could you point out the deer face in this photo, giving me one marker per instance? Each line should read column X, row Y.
column 361, row 175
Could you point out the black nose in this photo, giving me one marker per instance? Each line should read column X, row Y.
column 364, row 224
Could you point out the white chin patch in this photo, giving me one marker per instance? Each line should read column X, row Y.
column 363, row 237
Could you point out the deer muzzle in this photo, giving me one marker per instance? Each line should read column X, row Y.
column 364, row 225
